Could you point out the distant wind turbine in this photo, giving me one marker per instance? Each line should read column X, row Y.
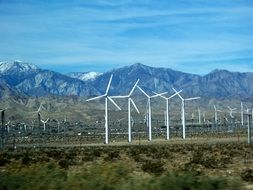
column 149, row 110
column 183, row 108
column 231, row 111
column 199, row 116
column 215, row 114
column 242, row 113
column 44, row 123
column 167, row 117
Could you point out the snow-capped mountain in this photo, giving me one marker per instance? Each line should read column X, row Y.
column 16, row 66
column 31, row 80
column 84, row 76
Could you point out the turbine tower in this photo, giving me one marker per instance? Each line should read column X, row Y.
column 106, row 97
column 215, row 114
column 167, row 120
column 8, row 126
column 38, row 112
column 58, row 125
column 149, row 110
column 44, row 123
column 242, row 113
column 199, row 116
column 183, row 109
column 130, row 101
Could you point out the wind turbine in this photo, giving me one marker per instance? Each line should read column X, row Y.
column 199, row 116
column 204, row 117
column 39, row 113
column 149, row 110
column 167, row 117
column 44, row 123
column 7, row 125
column 183, row 108
column 242, row 113
column 58, row 125
column 106, row 107
column 130, row 101
column 231, row 112
column 231, row 115
column 215, row 114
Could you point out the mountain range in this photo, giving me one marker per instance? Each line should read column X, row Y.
column 23, row 79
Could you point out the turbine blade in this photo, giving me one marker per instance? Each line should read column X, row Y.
column 177, row 93
column 143, row 91
column 97, row 97
column 114, row 102
column 134, row 87
column 109, row 83
column 119, row 96
column 195, row 98
column 160, row 94
column 134, row 105
column 39, row 108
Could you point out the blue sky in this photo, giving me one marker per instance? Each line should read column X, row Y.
column 193, row 36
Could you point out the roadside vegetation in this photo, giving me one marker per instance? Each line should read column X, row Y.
column 177, row 166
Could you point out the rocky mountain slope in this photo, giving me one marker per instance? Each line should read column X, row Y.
column 30, row 80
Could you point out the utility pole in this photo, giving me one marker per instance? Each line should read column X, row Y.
column 2, row 128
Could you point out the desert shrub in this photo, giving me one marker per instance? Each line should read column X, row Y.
column 26, row 159
column 247, row 175
column 34, row 177
column 55, row 154
column 96, row 153
column 190, row 181
column 209, row 159
column 63, row 163
column 4, row 159
column 112, row 155
column 153, row 166
column 88, row 157
column 100, row 176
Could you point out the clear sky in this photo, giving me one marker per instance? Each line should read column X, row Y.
column 194, row 36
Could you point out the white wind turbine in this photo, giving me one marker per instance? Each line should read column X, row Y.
column 38, row 112
column 231, row 112
column 44, row 123
column 130, row 101
column 199, row 116
column 216, row 114
column 58, row 125
column 106, row 107
column 183, row 109
column 204, row 117
column 167, row 117
column 8, row 126
column 242, row 113
column 149, row 110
